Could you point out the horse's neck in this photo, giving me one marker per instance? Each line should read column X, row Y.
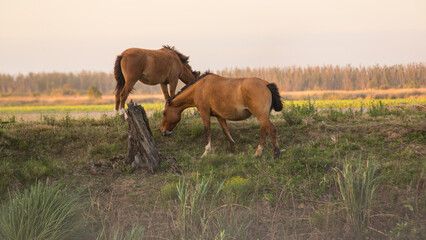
column 185, row 99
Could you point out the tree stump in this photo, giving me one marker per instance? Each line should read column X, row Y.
column 142, row 148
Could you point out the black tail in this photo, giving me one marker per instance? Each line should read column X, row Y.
column 118, row 74
column 276, row 98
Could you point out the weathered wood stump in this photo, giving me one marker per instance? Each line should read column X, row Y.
column 142, row 148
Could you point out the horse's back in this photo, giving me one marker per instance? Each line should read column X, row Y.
column 138, row 52
column 235, row 98
column 150, row 66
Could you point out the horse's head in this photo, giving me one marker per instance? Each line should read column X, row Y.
column 188, row 75
column 171, row 117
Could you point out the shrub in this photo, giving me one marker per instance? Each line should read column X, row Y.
column 296, row 113
column 169, row 191
column 378, row 109
column 93, row 92
column 67, row 89
column 237, row 188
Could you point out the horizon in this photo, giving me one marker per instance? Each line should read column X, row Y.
column 52, row 36
column 225, row 68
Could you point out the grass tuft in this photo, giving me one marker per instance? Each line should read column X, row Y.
column 357, row 184
column 41, row 212
column 200, row 217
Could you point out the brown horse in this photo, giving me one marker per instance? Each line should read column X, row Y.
column 152, row 67
column 227, row 99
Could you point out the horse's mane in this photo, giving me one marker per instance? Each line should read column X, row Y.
column 183, row 58
column 192, row 83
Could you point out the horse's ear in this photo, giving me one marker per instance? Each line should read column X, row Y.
column 196, row 73
column 184, row 59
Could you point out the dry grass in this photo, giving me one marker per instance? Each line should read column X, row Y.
column 72, row 100
column 357, row 94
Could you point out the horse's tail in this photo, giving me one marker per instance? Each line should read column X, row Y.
column 276, row 98
column 118, row 74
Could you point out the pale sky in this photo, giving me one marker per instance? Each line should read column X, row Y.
column 55, row 35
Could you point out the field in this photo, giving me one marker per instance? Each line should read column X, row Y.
column 348, row 169
column 48, row 100
column 34, row 112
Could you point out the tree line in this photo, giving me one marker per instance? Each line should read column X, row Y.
column 287, row 78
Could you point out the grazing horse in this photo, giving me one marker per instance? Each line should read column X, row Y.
column 232, row 99
column 152, row 67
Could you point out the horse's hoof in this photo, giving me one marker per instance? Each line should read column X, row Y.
column 166, row 133
column 277, row 153
column 258, row 153
column 204, row 154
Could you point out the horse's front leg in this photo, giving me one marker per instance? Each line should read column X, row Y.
column 165, row 92
column 172, row 86
column 206, row 122
column 225, row 129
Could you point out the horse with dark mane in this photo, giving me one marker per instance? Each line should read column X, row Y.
column 226, row 99
column 151, row 67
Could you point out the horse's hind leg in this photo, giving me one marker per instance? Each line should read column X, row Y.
column 225, row 129
column 117, row 101
column 273, row 133
column 266, row 126
column 125, row 93
column 263, row 131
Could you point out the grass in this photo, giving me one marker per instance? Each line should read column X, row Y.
column 199, row 215
column 41, row 212
column 51, row 147
column 135, row 233
column 357, row 184
column 235, row 196
column 366, row 103
column 159, row 106
column 356, row 94
column 71, row 108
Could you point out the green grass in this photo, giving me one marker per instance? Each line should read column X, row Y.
column 51, row 147
column 41, row 212
column 297, row 196
column 357, row 184
column 135, row 233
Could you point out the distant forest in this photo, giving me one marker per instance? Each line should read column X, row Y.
column 287, row 79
